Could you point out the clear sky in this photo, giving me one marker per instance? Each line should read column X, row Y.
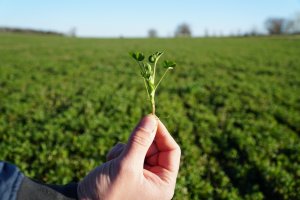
column 133, row 18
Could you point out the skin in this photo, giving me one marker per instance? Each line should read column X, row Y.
column 144, row 168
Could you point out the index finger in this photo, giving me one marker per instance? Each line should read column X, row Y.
column 169, row 150
column 163, row 139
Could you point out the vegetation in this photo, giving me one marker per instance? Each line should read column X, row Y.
column 29, row 31
column 183, row 30
column 148, row 73
column 233, row 107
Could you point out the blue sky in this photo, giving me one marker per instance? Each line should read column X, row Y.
column 132, row 18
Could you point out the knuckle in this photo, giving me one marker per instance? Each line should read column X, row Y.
column 120, row 145
column 115, row 151
column 141, row 137
column 109, row 155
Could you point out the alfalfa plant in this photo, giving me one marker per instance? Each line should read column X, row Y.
column 148, row 72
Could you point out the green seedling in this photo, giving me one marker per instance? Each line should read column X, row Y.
column 148, row 71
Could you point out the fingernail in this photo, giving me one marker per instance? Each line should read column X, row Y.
column 149, row 123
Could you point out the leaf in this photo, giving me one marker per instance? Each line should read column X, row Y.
column 155, row 56
column 137, row 56
column 148, row 68
column 169, row 64
column 152, row 58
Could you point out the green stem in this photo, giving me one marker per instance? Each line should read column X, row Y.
column 151, row 95
column 161, row 78
column 142, row 68
column 152, row 101
column 154, row 69
column 153, row 108
column 147, row 88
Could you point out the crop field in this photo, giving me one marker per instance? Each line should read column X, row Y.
column 233, row 105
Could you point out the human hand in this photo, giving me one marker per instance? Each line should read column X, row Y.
column 145, row 168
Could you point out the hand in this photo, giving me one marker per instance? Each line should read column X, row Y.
column 145, row 168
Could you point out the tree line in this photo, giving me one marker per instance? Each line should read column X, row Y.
column 272, row 25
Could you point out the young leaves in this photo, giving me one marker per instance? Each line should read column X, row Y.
column 154, row 57
column 148, row 71
column 137, row 56
column 169, row 64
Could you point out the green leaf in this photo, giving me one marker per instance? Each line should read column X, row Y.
column 148, row 68
column 147, row 71
column 155, row 56
column 152, row 58
column 169, row 64
column 137, row 56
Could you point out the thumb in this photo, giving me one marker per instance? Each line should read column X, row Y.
column 141, row 140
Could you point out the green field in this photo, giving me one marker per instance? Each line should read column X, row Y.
column 233, row 105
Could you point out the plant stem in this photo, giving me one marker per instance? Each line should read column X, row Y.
column 147, row 88
column 153, row 108
column 154, row 69
column 152, row 101
column 161, row 78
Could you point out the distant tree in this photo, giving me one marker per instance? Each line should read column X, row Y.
column 276, row 26
column 183, row 30
column 295, row 24
column 289, row 27
column 29, row 31
column 152, row 33
column 72, row 32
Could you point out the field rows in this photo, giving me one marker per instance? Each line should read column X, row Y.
column 232, row 104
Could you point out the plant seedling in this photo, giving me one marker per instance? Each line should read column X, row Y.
column 148, row 71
